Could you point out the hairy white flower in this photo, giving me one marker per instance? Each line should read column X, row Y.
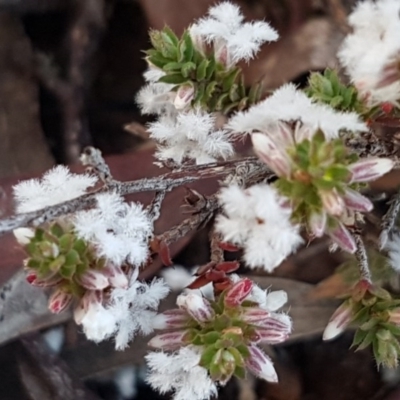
column 180, row 373
column 126, row 312
column 393, row 248
column 191, row 135
column 287, row 104
column 258, row 220
column 371, row 53
column 56, row 186
column 119, row 231
column 233, row 40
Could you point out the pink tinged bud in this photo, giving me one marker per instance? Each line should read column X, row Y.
column 169, row 341
column 261, row 365
column 91, row 298
column 184, row 96
column 333, row 203
column 116, row 276
column 343, row 238
column 303, row 132
column 59, row 301
column 238, row 292
column 254, row 315
column 93, row 280
column 171, row 319
column 270, row 336
column 271, row 154
column 222, row 54
column 340, row 319
column 356, row 201
column 285, row 135
column 197, row 306
column 317, row 223
column 370, row 169
column 34, row 280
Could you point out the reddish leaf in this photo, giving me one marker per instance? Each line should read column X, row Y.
column 165, row 254
column 238, row 292
column 228, row 266
column 204, row 268
column 228, row 246
column 215, row 275
column 199, row 282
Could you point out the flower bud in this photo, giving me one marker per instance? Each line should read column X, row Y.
column 116, row 276
column 333, row 203
column 339, row 321
column 184, row 96
column 93, row 280
column 59, row 301
column 356, row 201
column 92, row 298
column 169, row 341
column 238, row 292
column 394, row 316
column 370, row 169
column 171, row 319
column 270, row 336
column 261, row 365
column 271, row 154
column 33, row 279
column 317, row 223
column 197, row 306
column 343, row 238
column 254, row 315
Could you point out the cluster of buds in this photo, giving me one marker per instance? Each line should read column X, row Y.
column 320, row 178
column 376, row 316
column 227, row 332
column 57, row 258
column 199, row 77
column 327, row 88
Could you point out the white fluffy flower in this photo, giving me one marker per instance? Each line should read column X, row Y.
column 233, row 40
column 371, row 53
column 191, row 135
column 257, row 220
column 56, row 186
column 119, row 231
column 287, row 104
column 126, row 312
column 180, row 373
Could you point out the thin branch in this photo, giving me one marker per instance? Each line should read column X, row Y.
column 362, row 258
column 389, row 220
column 164, row 182
column 95, row 162
column 154, row 209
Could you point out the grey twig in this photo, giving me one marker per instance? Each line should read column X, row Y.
column 154, row 208
column 95, row 162
column 362, row 258
column 389, row 219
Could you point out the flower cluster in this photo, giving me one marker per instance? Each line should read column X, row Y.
column 371, row 53
column 377, row 317
column 263, row 228
column 221, row 337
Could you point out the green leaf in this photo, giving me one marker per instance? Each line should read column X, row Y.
column 211, row 337
column 169, row 36
column 172, row 66
column 80, row 246
column 67, row 271
column 211, row 67
column 202, row 70
column 207, row 356
column 173, row 79
column 72, row 258
column 187, row 68
column 158, row 60
column 57, row 230
column 56, row 264
column 230, row 79
column 240, row 372
column 65, row 242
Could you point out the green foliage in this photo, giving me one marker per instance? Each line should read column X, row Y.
column 57, row 255
column 318, row 166
column 327, row 88
column 377, row 316
column 216, row 87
